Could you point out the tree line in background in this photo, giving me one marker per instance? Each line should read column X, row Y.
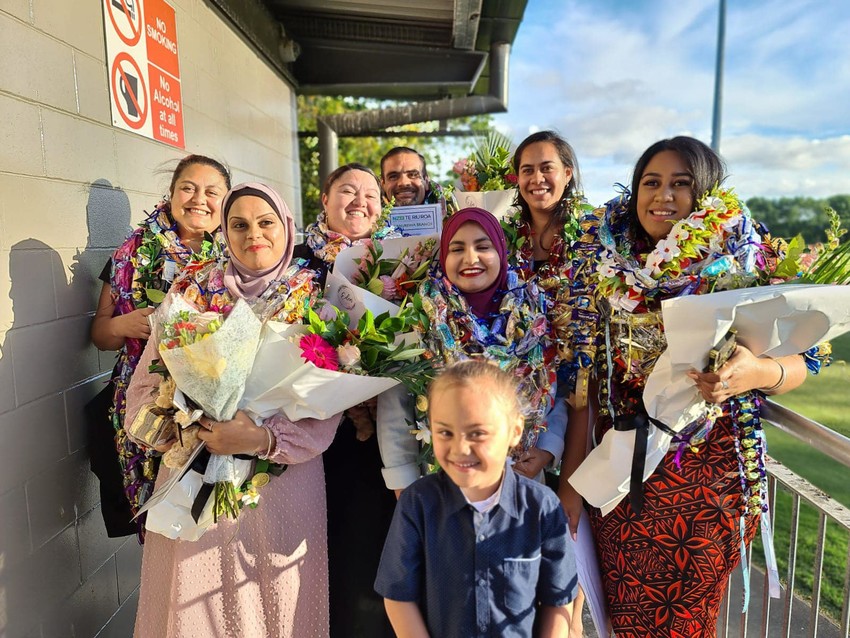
column 785, row 217
column 806, row 216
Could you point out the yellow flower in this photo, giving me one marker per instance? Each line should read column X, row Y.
column 422, row 403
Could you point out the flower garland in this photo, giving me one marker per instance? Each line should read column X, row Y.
column 566, row 279
column 145, row 262
column 287, row 299
column 326, row 244
column 517, row 338
column 519, row 235
column 717, row 247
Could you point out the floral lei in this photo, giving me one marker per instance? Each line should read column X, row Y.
column 139, row 265
column 517, row 338
column 326, row 244
column 519, row 234
column 717, row 247
column 286, row 299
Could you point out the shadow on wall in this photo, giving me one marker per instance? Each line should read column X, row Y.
column 59, row 573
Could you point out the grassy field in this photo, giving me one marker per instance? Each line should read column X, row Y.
column 824, row 399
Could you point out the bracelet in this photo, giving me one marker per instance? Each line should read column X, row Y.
column 778, row 384
column 265, row 456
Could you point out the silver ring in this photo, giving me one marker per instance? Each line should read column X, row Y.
column 724, row 384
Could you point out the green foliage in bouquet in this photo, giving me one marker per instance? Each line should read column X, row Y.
column 371, row 348
column 489, row 167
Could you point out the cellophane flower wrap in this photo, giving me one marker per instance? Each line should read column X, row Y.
column 326, row 367
column 209, row 354
column 208, row 345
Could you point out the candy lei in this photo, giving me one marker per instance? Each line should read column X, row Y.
column 517, row 338
column 717, row 247
column 140, row 264
column 567, row 280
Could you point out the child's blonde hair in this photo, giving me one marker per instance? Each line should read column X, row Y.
column 471, row 373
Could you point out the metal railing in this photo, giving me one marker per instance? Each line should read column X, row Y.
column 795, row 615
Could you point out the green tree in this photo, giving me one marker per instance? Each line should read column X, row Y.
column 806, row 216
column 368, row 150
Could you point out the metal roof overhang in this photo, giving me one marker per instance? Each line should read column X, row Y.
column 385, row 49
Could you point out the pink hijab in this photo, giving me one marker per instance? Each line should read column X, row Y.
column 485, row 302
column 240, row 280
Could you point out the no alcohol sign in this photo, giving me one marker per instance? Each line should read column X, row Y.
column 144, row 69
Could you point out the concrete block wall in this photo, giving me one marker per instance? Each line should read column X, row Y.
column 71, row 186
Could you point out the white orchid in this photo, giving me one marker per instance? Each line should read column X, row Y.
column 423, row 435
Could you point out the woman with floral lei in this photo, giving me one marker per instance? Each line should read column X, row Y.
column 542, row 234
column 145, row 264
column 477, row 307
column 264, row 574
column 678, row 233
column 360, row 507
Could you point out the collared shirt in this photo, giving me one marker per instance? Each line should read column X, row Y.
column 478, row 584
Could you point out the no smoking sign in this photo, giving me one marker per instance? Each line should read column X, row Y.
column 144, row 69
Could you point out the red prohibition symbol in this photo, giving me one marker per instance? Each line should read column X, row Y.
column 131, row 13
column 134, row 106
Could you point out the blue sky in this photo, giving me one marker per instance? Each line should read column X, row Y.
column 614, row 76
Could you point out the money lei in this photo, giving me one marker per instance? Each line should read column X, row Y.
column 517, row 338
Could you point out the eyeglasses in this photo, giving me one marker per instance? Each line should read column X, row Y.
column 413, row 176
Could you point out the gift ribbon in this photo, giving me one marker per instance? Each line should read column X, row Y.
column 199, row 465
column 640, row 423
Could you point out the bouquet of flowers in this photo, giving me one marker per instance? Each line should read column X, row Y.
column 326, row 367
column 486, row 178
column 207, row 346
column 394, row 278
column 489, row 167
column 379, row 275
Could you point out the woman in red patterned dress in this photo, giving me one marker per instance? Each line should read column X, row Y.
column 666, row 551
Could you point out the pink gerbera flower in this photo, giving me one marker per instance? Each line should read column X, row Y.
column 318, row 352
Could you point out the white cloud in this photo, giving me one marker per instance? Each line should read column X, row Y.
column 613, row 80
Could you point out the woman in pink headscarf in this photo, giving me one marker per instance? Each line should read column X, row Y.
column 266, row 573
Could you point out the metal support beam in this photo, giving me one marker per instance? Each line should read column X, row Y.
column 465, row 25
column 361, row 122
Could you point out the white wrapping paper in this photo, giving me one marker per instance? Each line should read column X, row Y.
column 499, row 203
column 771, row 320
column 281, row 381
column 213, row 373
column 347, row 296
